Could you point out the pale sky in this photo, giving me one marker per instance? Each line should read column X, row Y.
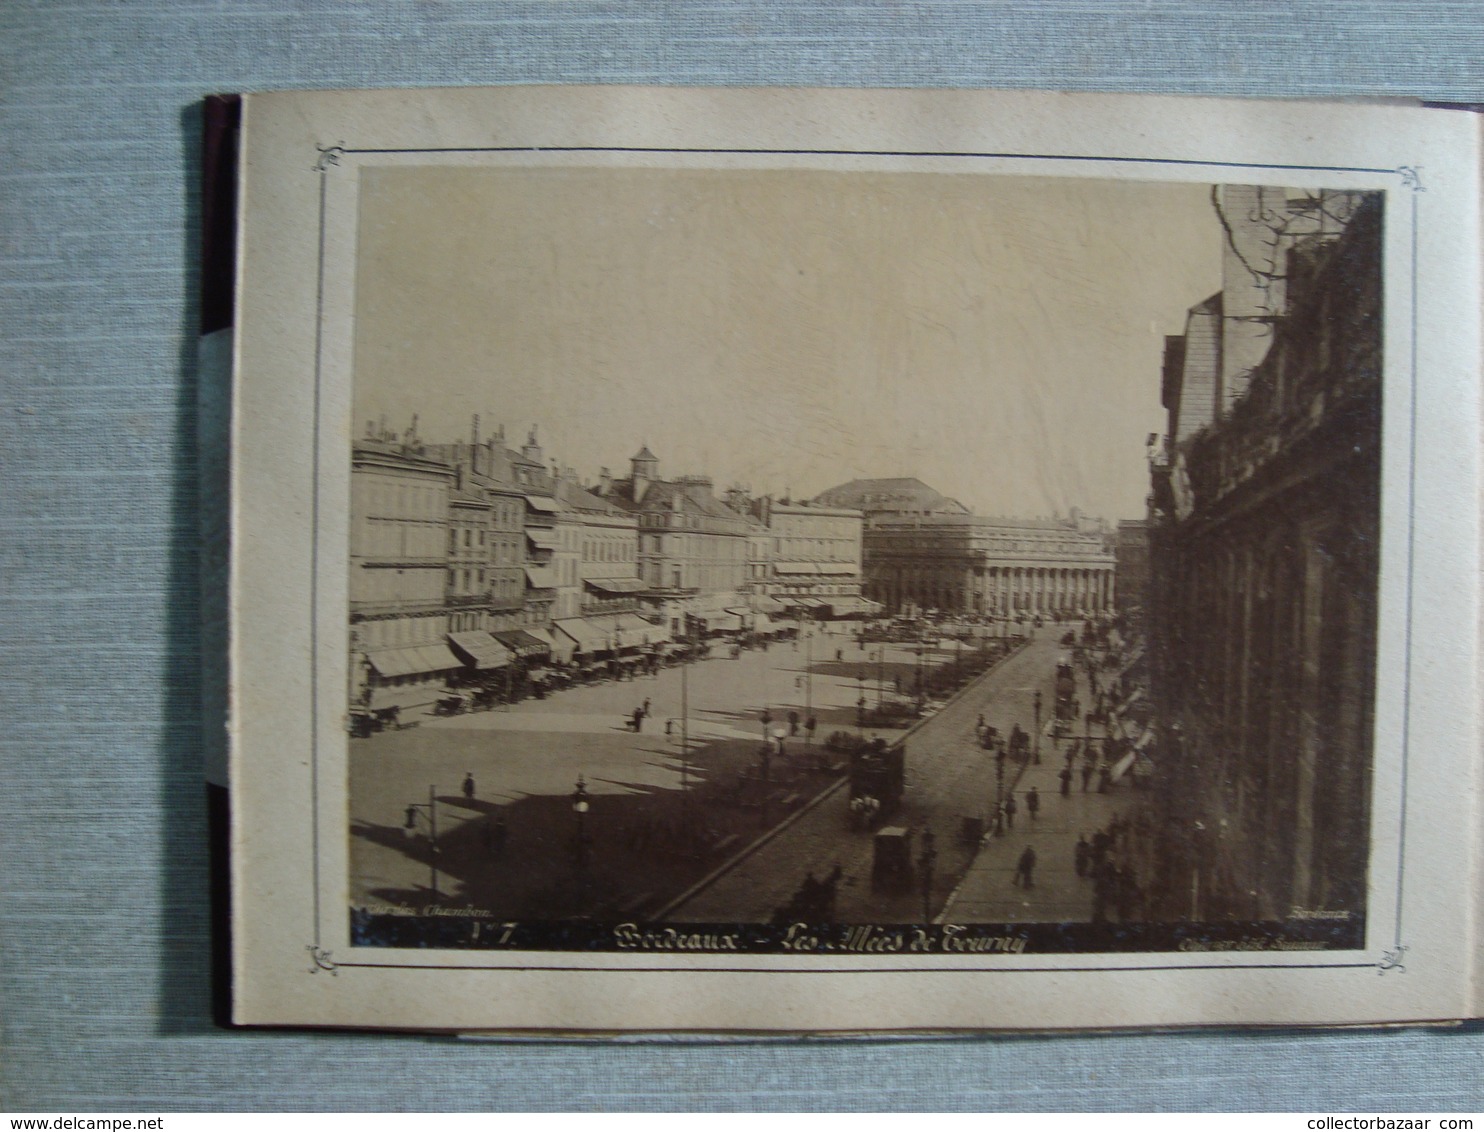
column 998, row 337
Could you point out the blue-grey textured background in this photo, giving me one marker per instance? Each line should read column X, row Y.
column 103, row 925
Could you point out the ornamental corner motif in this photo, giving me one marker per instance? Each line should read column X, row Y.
column 1411, row 176
column 321, row 957
column 328, row 155
column 1392, row 960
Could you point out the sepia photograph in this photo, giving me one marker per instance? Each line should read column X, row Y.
column 794, row 560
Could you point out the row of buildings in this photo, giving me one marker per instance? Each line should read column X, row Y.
column 1263, row 538
column 478, row 555
column 474, row 554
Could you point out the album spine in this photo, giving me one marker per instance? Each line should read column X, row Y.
column 219, row 199
column 1476, row 840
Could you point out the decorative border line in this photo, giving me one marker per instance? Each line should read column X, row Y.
column 1410, row 178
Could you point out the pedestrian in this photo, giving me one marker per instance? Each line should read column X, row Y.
column 809, row 725
column 469, row 785
column 1086, row 775
column 1032, row 803
column 793, row 724
column 669, row 727
column 839, row 655
column 1105, row 778
column 1066, row 781
column 638, row 720
column 979, row 727
column 1010, row 808
column 646, row 705
column 1025, row 869
column 1080, row 854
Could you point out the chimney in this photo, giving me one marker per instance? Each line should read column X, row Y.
column 605, row 481
column 532, row 449
column 474, row 432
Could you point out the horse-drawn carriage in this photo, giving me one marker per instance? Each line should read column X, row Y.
column 453, row 702
column 877, row 776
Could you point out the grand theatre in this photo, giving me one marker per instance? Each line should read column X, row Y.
column 925, row 551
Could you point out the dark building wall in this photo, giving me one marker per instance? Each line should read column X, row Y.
column 1265, row 586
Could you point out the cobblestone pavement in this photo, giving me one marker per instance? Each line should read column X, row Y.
column 949, row 777
column 525, row 761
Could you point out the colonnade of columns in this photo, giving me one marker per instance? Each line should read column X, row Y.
column 999, row 590
column 1037, row 589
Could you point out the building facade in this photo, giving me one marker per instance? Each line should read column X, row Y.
column 815, row 563
column 398, row 585
column 924, row 551
column 693, row 549
column 1131, row 564
column 965, row 564
column 1264, row 533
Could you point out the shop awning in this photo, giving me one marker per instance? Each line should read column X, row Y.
column 848, row 606
column 480, row 649
column 805, row 602
column 617, row 585
column 413, row 660
column 796, row 568
column 543, row 503
column 521, row 643
column 838, row 568
column 562, row 646
column 634, row 630
column 721, row 622
column 541, row 577
column 1133, row 659
column 542, row 538
column 765, row 604
column 583, row 635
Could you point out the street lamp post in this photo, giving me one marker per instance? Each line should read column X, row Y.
column 809, row 677
column 1036, row 741
column 579, row 808
column 409, row 827
column 999, row 793
column 921, row 682
column 684, row 733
